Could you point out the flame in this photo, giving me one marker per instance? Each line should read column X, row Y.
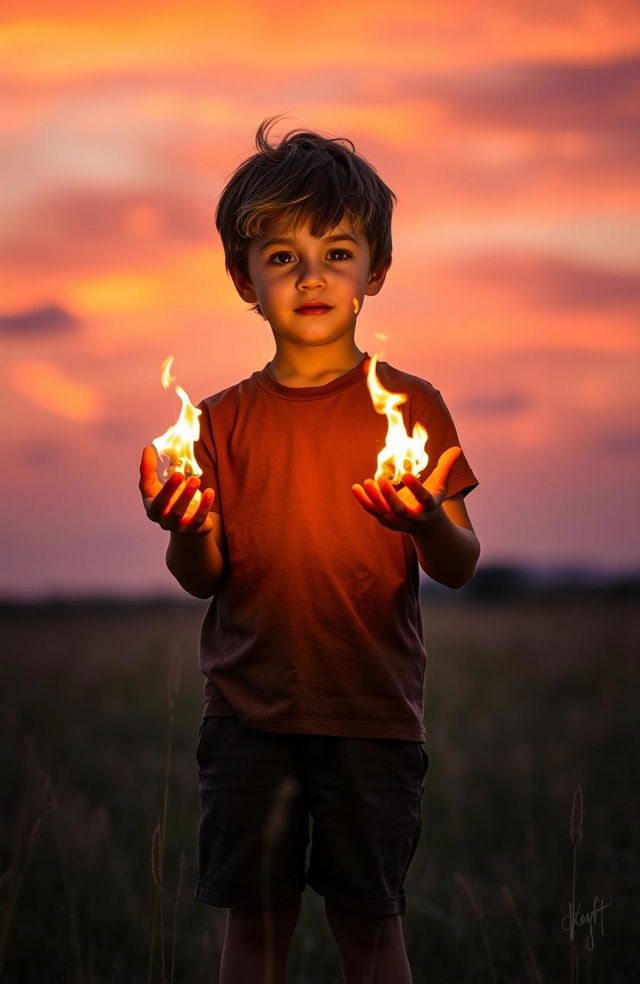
column 401, row 453
column 356, row 305
column 165, row 373
column 175, row 446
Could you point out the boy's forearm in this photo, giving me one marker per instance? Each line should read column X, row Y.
column 446, row 552
column 196, row 563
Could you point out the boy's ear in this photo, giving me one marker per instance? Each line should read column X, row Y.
column 376, row 280
column 243, row 285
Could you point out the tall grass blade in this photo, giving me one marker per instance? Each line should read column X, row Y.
column 476, row 906
column 575, row 836
column 533, row 969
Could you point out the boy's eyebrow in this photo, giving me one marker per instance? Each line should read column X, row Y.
column 291, row 242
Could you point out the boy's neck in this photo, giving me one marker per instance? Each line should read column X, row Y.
column 313, row 366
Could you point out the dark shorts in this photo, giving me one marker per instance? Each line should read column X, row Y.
column 258, row 791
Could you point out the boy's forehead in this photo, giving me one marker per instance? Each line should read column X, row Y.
column 283, row 228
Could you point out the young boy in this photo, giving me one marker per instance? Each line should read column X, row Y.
column 312, row 645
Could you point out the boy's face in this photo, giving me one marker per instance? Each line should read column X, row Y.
column 306, row 286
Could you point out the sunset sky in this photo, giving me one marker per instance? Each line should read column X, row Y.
column 510, row 134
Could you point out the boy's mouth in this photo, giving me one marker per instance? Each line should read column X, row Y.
column 313, row 307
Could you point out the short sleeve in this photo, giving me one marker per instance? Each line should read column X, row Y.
column 442, row 434
column 205, row 452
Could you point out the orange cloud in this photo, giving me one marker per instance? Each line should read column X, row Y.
column 65, row 41
column 116, row 292
column 49, row 388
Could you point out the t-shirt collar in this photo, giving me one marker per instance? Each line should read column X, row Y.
column 265, row 378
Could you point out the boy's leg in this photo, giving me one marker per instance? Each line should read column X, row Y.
column 365, row 799
column 254, row 829
column 371, row 947
column 256, row 944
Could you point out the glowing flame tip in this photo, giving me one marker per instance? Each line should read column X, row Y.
column 175, row 446
column 401, row 452
column 165, row 372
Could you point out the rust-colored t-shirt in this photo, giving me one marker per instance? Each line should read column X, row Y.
column 316, row 626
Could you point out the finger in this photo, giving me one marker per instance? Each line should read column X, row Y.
column 394, row 504
column 447, row 460
column 158, row 506
column 439, row 478
column 365, row 501
column 179, row 506
column 208, row 495
column 149, row 457
column 393, row 500
column 422, row 495
column 198, row 517
column 149, row 484
column 375, row 495
column 366, row 504
column 363, row 498
column 378, row 500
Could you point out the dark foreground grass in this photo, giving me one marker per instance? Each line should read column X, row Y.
column 525, row 701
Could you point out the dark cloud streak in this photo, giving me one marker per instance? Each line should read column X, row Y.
column 617, row 444
column 506, row 403
column 555, row 283
column 595, row 97
column 48, row 320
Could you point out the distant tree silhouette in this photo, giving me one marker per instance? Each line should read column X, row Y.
column 498, row 582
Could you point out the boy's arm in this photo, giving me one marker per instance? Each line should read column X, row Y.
column 197, row 562
column 440, row 528
column 448, row 548
column 195, row 555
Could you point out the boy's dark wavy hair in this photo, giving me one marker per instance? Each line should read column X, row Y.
column 303, row 176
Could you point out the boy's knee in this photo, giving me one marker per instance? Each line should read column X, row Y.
column 250, row 926
column 364, row 932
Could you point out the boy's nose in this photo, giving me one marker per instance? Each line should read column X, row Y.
column 310, row 277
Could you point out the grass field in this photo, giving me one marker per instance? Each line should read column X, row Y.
column 524, row 701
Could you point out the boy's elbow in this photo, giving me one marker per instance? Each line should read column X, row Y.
column 198, row 591
column 202, row 591
column 460, row 582
column 466, row 575
column 197, row 587
column 462, row 573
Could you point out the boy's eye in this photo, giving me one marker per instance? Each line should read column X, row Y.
column 281, row 258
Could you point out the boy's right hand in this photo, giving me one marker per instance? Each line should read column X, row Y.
column 173, row 505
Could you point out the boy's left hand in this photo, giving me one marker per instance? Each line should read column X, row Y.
column 412, row 509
